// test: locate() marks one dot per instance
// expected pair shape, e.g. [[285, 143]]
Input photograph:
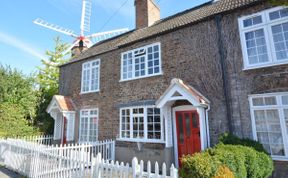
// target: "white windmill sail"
[[84, 27]]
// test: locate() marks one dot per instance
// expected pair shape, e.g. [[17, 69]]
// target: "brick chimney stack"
[[147, 13]]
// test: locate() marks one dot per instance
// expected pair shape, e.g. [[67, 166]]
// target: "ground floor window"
[[141, 124], [270, 122], [88, 131]]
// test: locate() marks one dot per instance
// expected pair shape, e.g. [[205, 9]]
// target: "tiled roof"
[[179, 20], [65, 103]]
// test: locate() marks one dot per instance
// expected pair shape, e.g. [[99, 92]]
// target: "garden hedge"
[[242, 161], [229, 139]]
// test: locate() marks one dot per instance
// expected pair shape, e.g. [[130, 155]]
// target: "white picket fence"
[[40, 139], [73, 160]]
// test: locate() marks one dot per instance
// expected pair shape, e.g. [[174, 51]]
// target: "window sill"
[[265, 65], [148, 76], [96, 91], [279, 158], [140, 140]]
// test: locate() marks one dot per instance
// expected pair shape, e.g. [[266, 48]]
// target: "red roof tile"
[[65, 103]]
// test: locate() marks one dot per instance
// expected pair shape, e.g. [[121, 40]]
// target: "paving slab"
[[6, 173]]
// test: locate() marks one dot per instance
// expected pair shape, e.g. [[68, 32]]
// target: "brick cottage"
[[172, 86]]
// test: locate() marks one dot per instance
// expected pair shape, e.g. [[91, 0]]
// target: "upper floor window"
[[90, 76], [143, 124], [141, 62], [264, 38]]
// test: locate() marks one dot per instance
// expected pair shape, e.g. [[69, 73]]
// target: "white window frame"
[[280, 107], [266, 26], [88, 129], [90, 76], [145, 139], [146, 63]]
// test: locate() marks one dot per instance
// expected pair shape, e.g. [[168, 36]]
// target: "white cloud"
[[23, 46]]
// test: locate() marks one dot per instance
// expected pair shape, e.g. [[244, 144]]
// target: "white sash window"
[[88, 131], [90, 76], [264, 38], [141, 62], [141, 124], [270, 122]]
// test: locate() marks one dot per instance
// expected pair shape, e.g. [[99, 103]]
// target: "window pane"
[[258, 102], [284, 12], [285, 100], [270, 100], [256, 47], [274, 15], [138, 127], [181, 129], [188, 124], [125, 123], [280, 41], [268, 129], [153, 60], [286, 119], [278, 14], [154, 123], [252, 21], [195, 121]]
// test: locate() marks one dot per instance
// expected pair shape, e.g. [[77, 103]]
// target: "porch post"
[[168, 126]]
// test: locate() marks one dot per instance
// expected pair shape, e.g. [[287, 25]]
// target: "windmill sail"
[[82, 41], [86, 16]]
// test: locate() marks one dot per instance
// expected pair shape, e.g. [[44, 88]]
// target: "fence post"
[[164, 170], [156, 170], [113, 150], [134, 167], [173, 172], [95, 166]]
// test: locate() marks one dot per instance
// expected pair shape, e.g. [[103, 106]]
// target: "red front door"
[[64, 140], [188, 133]]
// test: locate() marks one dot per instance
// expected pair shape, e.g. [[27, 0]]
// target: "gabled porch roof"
[[178, 90], [63, 103]]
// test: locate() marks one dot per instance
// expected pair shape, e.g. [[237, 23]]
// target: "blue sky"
[[23, 44]]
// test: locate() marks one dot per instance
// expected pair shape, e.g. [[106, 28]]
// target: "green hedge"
[[233, 140], [241, 160], [199, 165]]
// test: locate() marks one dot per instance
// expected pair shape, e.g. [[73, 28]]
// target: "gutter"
[[207, 125], [218, 19]]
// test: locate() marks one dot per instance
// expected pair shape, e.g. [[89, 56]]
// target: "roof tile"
[[193, 15]]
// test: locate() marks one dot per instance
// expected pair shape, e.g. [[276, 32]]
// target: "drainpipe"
[[207, 126], [218, 19]]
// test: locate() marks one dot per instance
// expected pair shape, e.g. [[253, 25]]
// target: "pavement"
[[6, 173]]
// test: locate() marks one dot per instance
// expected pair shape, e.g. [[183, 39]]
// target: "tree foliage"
[[18, 100], [47, 80], [279, 2]]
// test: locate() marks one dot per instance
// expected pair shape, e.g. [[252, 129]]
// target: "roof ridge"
[[183, 12], [176, 21]]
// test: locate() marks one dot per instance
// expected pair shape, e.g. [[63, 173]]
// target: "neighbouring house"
[[172, 86]]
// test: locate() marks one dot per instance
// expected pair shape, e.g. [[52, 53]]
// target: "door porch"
[[185, 112], [62, 110]]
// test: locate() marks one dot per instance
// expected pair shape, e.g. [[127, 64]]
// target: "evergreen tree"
[[47, 80]]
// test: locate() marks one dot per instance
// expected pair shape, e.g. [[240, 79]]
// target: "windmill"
[[81, 41]]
